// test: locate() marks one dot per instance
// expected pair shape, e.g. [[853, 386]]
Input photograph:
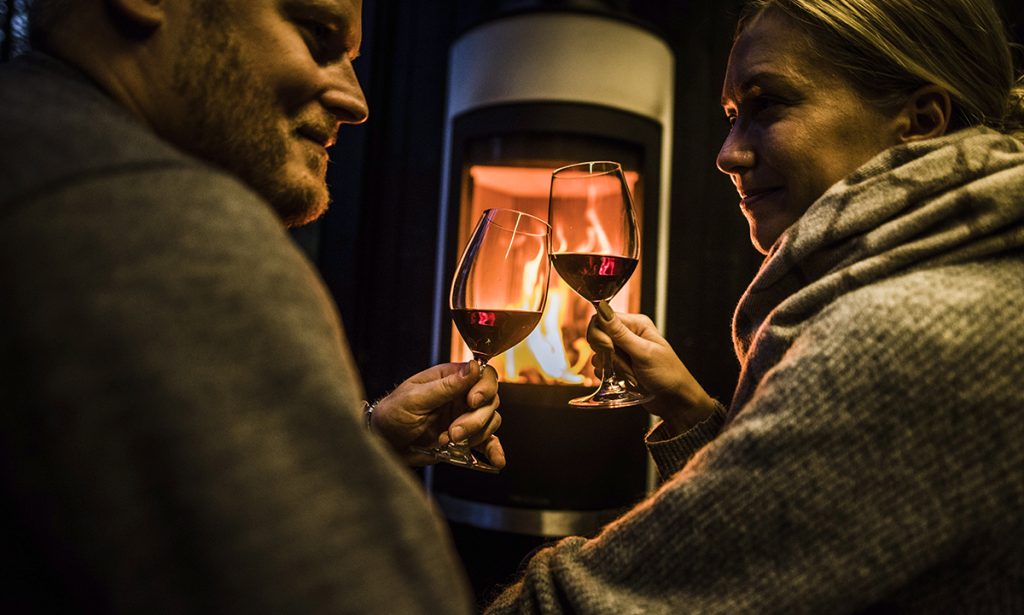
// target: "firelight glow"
[[556, 351]]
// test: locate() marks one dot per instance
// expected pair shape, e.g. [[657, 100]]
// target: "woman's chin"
[[763, 236]]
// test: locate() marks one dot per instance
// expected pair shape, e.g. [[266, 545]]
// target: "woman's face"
[[797, 126]]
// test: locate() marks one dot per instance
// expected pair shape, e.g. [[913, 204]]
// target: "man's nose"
[[344, 96]]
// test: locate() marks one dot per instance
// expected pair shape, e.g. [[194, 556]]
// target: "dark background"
[[376, 245]]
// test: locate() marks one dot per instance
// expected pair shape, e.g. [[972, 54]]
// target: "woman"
[[872, 457]]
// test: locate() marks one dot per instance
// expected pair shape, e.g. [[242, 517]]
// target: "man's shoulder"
[[57, 129]]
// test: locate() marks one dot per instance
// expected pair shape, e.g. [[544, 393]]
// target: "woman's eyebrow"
[[759, 80]]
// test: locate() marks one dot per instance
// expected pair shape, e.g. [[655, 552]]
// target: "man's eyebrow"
[[327, 11], [332, 14]]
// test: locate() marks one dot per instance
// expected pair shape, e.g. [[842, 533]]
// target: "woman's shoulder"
[[941, 337], [959, 305]]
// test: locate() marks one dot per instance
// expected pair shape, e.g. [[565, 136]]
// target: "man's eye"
[[317, 37]]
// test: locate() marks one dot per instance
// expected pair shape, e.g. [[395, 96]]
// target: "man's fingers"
[[453, 384], [492, 426], [471, 425], [494, 452], [484, 390], [435, 372]]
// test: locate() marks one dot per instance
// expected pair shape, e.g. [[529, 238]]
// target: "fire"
[[544, 349], [556, 352]]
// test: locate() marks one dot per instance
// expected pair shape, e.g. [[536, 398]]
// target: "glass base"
[[457, 455], [612, 394]]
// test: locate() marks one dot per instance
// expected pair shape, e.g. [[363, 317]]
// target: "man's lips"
[[323, 138]]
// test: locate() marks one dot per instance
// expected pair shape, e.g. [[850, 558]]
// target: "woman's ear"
[[926, 114], [138, 15]]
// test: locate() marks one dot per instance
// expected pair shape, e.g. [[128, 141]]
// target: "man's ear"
[[138, 16], [926, 114]]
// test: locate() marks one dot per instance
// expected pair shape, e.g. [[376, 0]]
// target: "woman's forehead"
[[773, 33], [773, 50]]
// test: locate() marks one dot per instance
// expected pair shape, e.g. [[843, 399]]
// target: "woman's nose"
[[735, 155]]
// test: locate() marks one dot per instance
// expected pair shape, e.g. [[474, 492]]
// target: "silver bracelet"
[[368, 414]]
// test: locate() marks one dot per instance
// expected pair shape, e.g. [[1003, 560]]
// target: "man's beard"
[[233, 122]]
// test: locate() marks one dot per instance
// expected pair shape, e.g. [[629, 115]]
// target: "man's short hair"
[[44, 15]]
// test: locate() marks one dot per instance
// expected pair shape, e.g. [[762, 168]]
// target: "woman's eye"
[[763, 103]]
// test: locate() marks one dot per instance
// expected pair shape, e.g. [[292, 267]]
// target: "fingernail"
[[466, 368], [457, 434], [605, 311]]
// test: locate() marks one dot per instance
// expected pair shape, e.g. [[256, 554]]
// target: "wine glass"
[[595, 247], [497, 297]]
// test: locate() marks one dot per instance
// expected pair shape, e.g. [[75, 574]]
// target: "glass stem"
[[607, 365]]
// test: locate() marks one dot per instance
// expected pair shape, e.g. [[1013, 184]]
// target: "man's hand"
[[641, 352], [450, 401]]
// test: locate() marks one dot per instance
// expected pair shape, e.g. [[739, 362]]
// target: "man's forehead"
[[343, 16], [340, 10]]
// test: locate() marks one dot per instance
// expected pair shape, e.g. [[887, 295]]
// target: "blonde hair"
[[890, 48]]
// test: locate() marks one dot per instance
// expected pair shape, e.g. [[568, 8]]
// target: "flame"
[[531, 273], [546, 346], [598, 238]]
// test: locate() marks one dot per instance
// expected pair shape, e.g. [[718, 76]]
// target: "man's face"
[[265, 85], [797, 126]]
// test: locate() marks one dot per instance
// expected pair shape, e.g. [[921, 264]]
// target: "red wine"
[[596, 277], [489, 333]]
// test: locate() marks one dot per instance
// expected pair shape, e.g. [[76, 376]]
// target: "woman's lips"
[[753, 198]]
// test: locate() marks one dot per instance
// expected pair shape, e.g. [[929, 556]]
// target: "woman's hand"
[[456, 401], [645, 356]]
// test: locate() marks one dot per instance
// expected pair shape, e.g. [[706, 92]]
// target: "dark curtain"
[[14, 31]]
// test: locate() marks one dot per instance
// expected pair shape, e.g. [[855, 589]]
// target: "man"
[[181, 426]]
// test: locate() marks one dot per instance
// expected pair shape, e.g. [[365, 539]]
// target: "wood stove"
[[529, 92]]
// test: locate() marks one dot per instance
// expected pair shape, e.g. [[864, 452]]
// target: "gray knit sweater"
[[873, 455], [179, 414]]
